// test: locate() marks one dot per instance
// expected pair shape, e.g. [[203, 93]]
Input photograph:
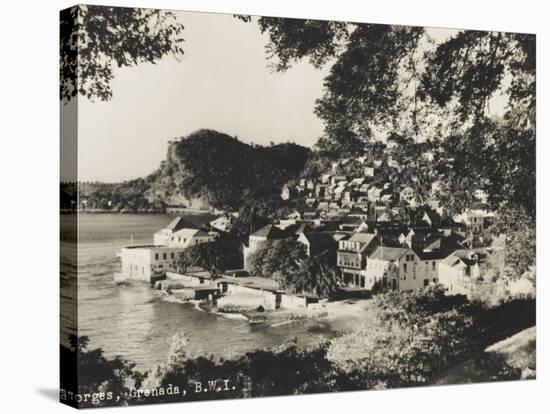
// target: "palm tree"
[[314, 276]]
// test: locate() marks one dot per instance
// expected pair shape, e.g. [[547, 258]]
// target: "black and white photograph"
[[276, 206], [260, 206]]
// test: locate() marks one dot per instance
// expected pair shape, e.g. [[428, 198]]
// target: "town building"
[[147, 263], [395, 268], [189, 237], [162, 237], [461, 271], [408, 195], [352, 258], [317, 242], [225, 222]]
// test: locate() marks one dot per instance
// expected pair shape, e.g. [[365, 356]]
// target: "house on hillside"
[[476, 220], [364, 189], [325, 178], [369, 171], [374, 194], [408, 195], [336, 179]]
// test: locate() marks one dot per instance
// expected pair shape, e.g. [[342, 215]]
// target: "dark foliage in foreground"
[[96, 39], [411, 338]]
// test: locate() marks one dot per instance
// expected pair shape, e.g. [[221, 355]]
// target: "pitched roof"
[[179, 223], [444, 244], [464, 257], [388, 253], [453, 260], [364, 238], [270, 232], [431, 255], [188, 233], [320, 239]]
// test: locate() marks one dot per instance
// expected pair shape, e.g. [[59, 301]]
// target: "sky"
[[223, 82]]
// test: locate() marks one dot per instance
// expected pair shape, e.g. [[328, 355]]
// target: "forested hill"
[[206, 169]]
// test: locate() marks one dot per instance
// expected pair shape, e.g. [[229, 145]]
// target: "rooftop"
[[179, 223], [388, 253]]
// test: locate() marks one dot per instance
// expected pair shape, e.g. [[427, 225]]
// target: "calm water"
[[135, 321]]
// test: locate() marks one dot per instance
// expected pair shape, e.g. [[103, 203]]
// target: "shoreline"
[[180, 211], [343, 316]]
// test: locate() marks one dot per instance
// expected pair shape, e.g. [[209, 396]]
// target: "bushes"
[[411, 336], [411, 339]]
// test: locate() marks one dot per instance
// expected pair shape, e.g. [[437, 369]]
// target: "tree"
[[214, 257], [93, 39], [410, 337], [85, 371], [400, 79], [314, 276], [278, 259]]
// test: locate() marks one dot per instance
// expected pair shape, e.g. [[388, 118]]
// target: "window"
[[156, 256], [171, 255], [164, 256], [405, 267], [433, 265]]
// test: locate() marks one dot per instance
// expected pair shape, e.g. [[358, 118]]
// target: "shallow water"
[[135, 321]]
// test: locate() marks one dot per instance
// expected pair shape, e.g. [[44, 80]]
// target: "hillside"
[[206, 169], [510, 359]]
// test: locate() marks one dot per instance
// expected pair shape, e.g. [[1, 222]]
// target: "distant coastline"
[[147, 211]]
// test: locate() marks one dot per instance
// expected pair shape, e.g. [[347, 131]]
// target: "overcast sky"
[[223, 82]]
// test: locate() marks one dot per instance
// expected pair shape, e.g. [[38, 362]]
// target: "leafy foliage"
[[86, 371], [409, 340], [395, 79], [315, 276], [226, 172], [410, 337], [256, 212], [214, 257], [93, 39], [278, 259]]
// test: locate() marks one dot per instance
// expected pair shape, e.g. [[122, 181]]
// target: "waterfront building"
[[147, 263], [162, 237]]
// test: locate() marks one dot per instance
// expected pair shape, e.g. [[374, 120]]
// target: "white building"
[[224, 222], [162, 237], [396, 268], [151, 261], [189, 237], [147, 262], [460, 272]]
